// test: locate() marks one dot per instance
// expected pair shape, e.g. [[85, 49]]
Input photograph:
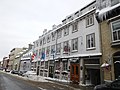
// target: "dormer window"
[[64, 21], [77, 13]]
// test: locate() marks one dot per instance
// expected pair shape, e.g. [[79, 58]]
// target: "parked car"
[[29, 73], [14, 72], [115, 85], [21, 73]]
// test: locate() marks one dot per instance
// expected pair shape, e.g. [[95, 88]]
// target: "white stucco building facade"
[[71, 50]]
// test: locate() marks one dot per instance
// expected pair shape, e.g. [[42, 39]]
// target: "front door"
[[75, 73]]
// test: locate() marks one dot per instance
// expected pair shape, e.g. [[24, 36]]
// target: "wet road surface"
[[8, 82], [12, 82]]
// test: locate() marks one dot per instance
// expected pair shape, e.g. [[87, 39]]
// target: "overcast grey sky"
[[23, 21]]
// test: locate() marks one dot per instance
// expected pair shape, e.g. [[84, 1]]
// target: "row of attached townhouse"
[[71, 50], [108, 16], [84, 49], [16, 58]]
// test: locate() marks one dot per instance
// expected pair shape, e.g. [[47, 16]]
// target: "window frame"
[[117, 31], [40, 42], [48, 38], [44, 40], [75, 27], [52, 47], [65, 65], [59, 33], [89, 45], [66, 30], [74, 42], [66, 44], [89, 20], [47, 51], [58, 48], [53, 36]]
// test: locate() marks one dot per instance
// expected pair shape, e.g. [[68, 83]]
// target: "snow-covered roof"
[[107, 12]]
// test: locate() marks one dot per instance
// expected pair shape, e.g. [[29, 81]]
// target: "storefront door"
[[75, 73]]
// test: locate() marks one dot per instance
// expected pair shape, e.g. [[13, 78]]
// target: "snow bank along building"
[[71, 50], [108, 16]]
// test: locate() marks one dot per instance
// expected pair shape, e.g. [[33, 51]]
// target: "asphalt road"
[[13, 82], [8, 82]]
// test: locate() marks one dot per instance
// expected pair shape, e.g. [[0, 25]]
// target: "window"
[[65, 66], [39, 52], [46, 65], [43, 50], [37, 44], [40, 42], [116, 30], [52, 49], [57, 65], [36, 53], [48, 51], [90, 41], [75, 44], [43, 53], [59, 33], [89, 21], [77, 14], [53, 36], [48, 38], [44, 40], [58, 48], [66, 47], [75, 27], [66, 31]]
